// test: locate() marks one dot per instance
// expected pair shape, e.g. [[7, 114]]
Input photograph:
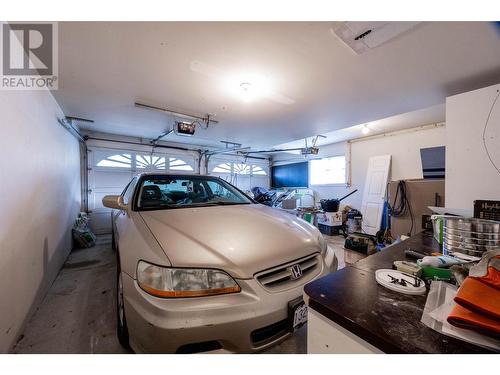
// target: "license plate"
[[297, 313], [300, 316]]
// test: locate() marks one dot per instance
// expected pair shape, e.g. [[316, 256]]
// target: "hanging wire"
[[484, 132], [402, 207]]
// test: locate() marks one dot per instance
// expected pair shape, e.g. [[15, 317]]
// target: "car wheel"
[[121, 328]]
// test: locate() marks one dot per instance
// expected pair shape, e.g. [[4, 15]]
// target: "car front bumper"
[[249, 321]]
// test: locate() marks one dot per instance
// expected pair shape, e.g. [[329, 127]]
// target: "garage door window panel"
[[150, 162], [242, 169], [258, 171], [116, 161], [226, 168], [176, 164]]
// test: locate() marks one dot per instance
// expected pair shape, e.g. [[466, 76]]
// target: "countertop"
[[388, 320]]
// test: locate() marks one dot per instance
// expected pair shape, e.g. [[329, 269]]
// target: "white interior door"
[[374, 193]]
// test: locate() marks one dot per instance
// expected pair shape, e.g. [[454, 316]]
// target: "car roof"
[[161, 173]]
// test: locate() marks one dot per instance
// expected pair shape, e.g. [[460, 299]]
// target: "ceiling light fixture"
[[247, 87], [247, 92], [365, 129]]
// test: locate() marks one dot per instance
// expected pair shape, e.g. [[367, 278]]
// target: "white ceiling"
[[105, 67], [426, 116]]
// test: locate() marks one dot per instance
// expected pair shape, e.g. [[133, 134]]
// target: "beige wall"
[[39, 200], [406, 163], [469, 173]]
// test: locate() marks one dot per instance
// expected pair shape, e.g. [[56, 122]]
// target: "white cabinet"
[[327, 337]]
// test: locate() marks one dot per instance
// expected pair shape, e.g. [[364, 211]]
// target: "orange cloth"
[[492, 278], [478, 304], [479, 297], [464, 318]]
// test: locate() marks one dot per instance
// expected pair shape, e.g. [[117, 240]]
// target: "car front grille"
[[280, 278]]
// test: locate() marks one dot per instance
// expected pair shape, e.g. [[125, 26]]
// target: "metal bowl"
[[469, 246], [454, 249], [469, 234], [473, 225], [471, 240]]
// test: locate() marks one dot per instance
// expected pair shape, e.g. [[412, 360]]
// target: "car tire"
[[121, 325]]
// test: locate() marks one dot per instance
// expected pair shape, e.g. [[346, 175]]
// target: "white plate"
[[383, 277]]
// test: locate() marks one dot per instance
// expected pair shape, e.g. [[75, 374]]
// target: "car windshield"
[[164, 192]]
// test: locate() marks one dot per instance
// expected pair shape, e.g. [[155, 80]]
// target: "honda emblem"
[[296, 272]]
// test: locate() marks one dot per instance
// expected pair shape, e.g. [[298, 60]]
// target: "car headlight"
[[169, 282]]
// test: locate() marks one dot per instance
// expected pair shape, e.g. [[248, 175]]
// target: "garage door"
[[110, 170], [243, 174]]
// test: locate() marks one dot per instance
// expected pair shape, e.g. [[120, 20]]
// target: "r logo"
[[27, 49]]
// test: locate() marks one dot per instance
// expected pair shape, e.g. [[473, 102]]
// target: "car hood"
[[240, 239]]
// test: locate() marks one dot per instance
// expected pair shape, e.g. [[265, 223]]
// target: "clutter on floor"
[[309, 214], [284, 198], [332, 221], [82, 235], [363, 243], [354, 220]]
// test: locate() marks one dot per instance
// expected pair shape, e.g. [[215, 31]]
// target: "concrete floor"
[[78, 314]]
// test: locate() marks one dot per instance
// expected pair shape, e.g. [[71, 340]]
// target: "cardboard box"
[[331, 219], [421, 194]]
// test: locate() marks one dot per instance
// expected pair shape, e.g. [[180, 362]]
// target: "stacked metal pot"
[[470, 236]]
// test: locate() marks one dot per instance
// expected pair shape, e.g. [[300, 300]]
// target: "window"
[[327, 171], [256, 170], [222, 193], [179, 165], [167, 192], [118, 160], [223, 168], [142, 162], [128, 191], [240, 169], [150, 162]]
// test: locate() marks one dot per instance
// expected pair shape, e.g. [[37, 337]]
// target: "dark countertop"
[[388, 320]]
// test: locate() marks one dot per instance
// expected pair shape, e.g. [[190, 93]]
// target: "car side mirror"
[[114, 201]]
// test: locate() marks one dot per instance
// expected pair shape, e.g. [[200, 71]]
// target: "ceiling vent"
[[363, 36]]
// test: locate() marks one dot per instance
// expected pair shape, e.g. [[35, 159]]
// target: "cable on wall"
[[402, 207], [484, 133]]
